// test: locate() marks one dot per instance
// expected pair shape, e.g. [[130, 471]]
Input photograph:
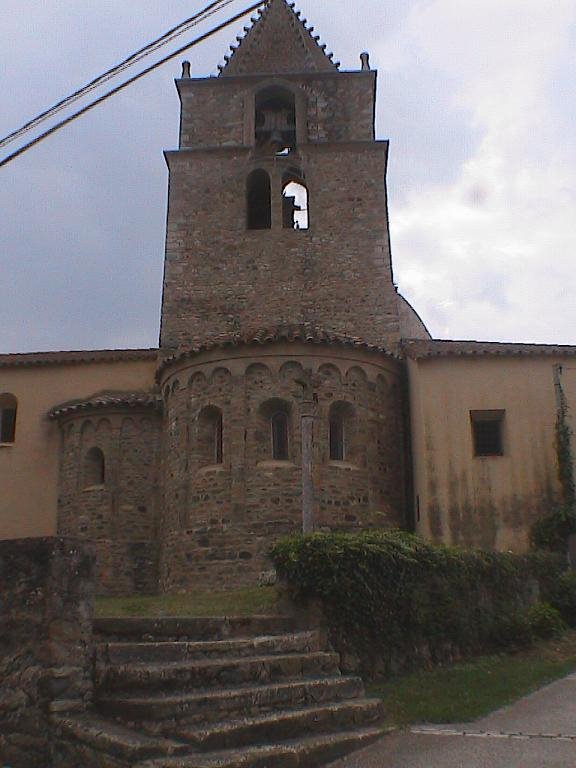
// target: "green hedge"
[[394, 600]]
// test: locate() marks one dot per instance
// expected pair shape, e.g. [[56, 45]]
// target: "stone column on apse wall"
[[308, 410]]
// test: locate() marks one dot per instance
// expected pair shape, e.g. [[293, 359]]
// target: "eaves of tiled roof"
[[106, 401], [24, 359], [306, 334], [418, 349]]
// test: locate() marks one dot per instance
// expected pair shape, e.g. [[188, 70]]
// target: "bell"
[[276, 139]]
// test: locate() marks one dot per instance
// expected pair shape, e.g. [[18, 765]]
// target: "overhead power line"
[[133, 79], [117, 69]]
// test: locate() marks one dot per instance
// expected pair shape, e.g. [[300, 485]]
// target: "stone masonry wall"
[[221, 278], [221, 518], [338, 107], [119, 515], [46, 590]]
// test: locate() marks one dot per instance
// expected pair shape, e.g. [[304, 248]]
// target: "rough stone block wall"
[[120, 515], [220, 519], [222, 278], [338, 107], [212, 113], [46, 588]]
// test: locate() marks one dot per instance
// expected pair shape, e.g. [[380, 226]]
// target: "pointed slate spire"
[[279, 42]]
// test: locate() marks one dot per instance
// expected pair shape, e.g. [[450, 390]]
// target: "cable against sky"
[[128, 62]]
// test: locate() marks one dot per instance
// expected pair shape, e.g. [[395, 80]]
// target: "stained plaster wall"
[[484, 501], [29, 466]]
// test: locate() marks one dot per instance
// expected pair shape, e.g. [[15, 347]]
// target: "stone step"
[[308, 752], [284, 725], [193, 629], [112, 739], [209, 673], [122, 653], [213, 705]]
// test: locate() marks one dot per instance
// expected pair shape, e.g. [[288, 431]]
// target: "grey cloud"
[[83, 214]]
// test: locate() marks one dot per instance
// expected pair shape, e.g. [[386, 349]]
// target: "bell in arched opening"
[[275, 120]]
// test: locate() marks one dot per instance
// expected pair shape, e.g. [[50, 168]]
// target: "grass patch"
[[241, 602], [472, 689]]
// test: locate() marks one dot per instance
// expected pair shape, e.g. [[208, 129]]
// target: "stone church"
[[293, 387]]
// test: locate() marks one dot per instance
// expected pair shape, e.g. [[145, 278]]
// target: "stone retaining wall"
[[46, 588]]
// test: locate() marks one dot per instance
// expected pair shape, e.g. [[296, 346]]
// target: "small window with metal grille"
[[487, 432]]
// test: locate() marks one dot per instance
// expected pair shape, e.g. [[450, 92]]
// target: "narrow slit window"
[[487, 432], [94, 468], [210, 436], [258, 201], [337, 438], [341, 430], [218, 434], [8, 409], [279, 424]]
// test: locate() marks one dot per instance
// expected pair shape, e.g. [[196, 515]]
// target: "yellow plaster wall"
[[484, 501], [29, 467]]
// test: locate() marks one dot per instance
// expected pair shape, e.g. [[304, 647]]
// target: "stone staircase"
[[216, 693]]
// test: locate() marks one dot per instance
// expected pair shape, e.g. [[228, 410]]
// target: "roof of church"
[[278, 42], [24, 359], [306, 333], [417, 349], [108, 399]]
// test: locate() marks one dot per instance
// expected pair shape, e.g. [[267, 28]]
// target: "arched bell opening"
[[258, 200], [275, 120], [295, 206]]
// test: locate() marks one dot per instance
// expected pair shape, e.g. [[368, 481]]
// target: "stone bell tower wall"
[[333, 107], [220, 519], [221, 278]]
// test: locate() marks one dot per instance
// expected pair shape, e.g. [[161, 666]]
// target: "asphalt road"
[[539, 731]]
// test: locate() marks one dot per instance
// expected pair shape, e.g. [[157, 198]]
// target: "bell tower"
[[278, 368], [277, 209]]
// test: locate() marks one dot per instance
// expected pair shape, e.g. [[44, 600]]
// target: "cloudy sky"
[[478, 101]]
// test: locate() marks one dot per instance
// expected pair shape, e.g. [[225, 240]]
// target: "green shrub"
[[550, 533], [511, 631], [563, 597], [546, 621], [391, 595]]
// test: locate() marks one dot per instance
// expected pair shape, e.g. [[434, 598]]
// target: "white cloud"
[[490, 255]]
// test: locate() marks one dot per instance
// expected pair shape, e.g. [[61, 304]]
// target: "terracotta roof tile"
[[421, 348], [22, 359], [306, 333], [107, 400]]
